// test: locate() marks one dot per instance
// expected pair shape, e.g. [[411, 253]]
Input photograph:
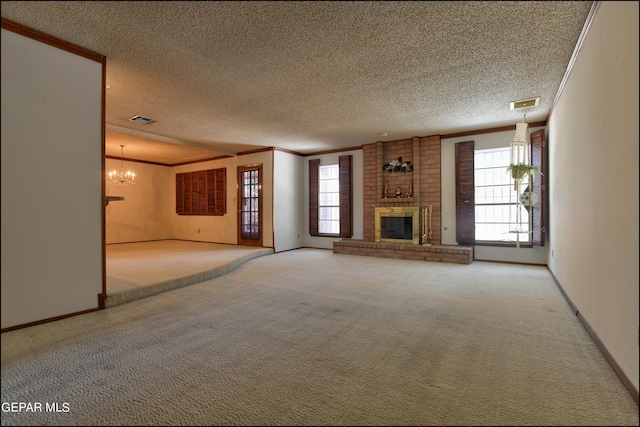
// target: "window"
[[482, 179], [328, 200], [498, 215]]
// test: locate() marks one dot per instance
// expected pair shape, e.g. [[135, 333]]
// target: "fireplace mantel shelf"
[[392, 200]]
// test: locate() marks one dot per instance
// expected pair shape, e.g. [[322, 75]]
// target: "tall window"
[[498, 215], [329, 200]]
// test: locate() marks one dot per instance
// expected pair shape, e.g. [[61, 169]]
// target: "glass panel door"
[[250, 205]]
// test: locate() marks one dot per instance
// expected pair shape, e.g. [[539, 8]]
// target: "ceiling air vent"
[[532, 102], [143, 120]]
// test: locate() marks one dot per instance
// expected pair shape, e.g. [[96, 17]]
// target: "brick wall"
[[424, 154]]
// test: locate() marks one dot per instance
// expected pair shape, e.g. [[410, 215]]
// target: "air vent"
[[525, 103], [143, 120]]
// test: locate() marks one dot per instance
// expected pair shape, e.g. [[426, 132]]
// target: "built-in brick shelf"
[[435, 253]]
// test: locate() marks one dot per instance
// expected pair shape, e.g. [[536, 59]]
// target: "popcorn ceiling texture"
[[314, 76]]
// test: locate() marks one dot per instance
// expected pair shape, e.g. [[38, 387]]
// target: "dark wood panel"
[[345, 165], [314, 182], [465, 193], [201, 192]]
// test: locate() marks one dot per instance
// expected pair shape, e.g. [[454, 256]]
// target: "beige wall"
[[52, 203], [145, 212], [205, 228], [593, 182]]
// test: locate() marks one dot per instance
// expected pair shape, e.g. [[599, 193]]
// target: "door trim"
[[241, 240]]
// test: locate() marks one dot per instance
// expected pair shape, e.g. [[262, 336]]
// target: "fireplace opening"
[[393, 227], [397, 225]]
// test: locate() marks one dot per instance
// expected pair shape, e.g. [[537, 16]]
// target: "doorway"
[[250, 205]]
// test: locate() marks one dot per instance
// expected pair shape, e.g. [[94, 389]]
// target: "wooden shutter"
[[221, 191], [345, 185], [538, 158], [202, 192], [187, 193], [314, 183], [194, 193], [465, 193], [179, 193], [211, 191]]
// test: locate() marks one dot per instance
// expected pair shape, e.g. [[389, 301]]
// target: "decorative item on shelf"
[[410, 192], [398, 166], [398, 192], [386, 191], [122, 177], [427, 232]]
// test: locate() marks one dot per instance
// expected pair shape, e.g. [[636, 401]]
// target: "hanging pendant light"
[[122, 177]]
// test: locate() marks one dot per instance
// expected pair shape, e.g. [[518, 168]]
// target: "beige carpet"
[[308, 337], [138, 270]]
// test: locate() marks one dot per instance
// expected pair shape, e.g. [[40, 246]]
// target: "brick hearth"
[[435, 253]]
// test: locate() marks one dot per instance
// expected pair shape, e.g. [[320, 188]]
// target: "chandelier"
[[122, 177]]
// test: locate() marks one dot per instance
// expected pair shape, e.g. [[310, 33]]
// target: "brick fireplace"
[[418, 188]]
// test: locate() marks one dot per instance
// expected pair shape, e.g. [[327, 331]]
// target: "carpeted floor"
[[308, 337], [138, 270]]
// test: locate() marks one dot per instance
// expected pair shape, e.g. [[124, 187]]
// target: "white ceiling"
[[226, 77]]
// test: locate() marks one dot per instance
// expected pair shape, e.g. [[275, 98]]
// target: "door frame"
[[241, 170]]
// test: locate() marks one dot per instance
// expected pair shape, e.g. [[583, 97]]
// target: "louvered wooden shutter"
[[345, 185], [179, 193], [538, 158], [202, 192], [314, 182], [465, 193], [194, 193], [220, 191], [187, 193]]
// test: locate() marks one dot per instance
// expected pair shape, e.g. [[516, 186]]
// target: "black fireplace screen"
[[396, 227]]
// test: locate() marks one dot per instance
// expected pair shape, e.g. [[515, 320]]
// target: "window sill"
[[501, 244]]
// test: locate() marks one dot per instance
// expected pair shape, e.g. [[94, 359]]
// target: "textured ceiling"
[[225, 77]]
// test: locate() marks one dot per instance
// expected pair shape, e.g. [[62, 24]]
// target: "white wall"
[[533, 255], [288, 193], [145, 212], [358, 197], [593, 182], [52, 201]]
